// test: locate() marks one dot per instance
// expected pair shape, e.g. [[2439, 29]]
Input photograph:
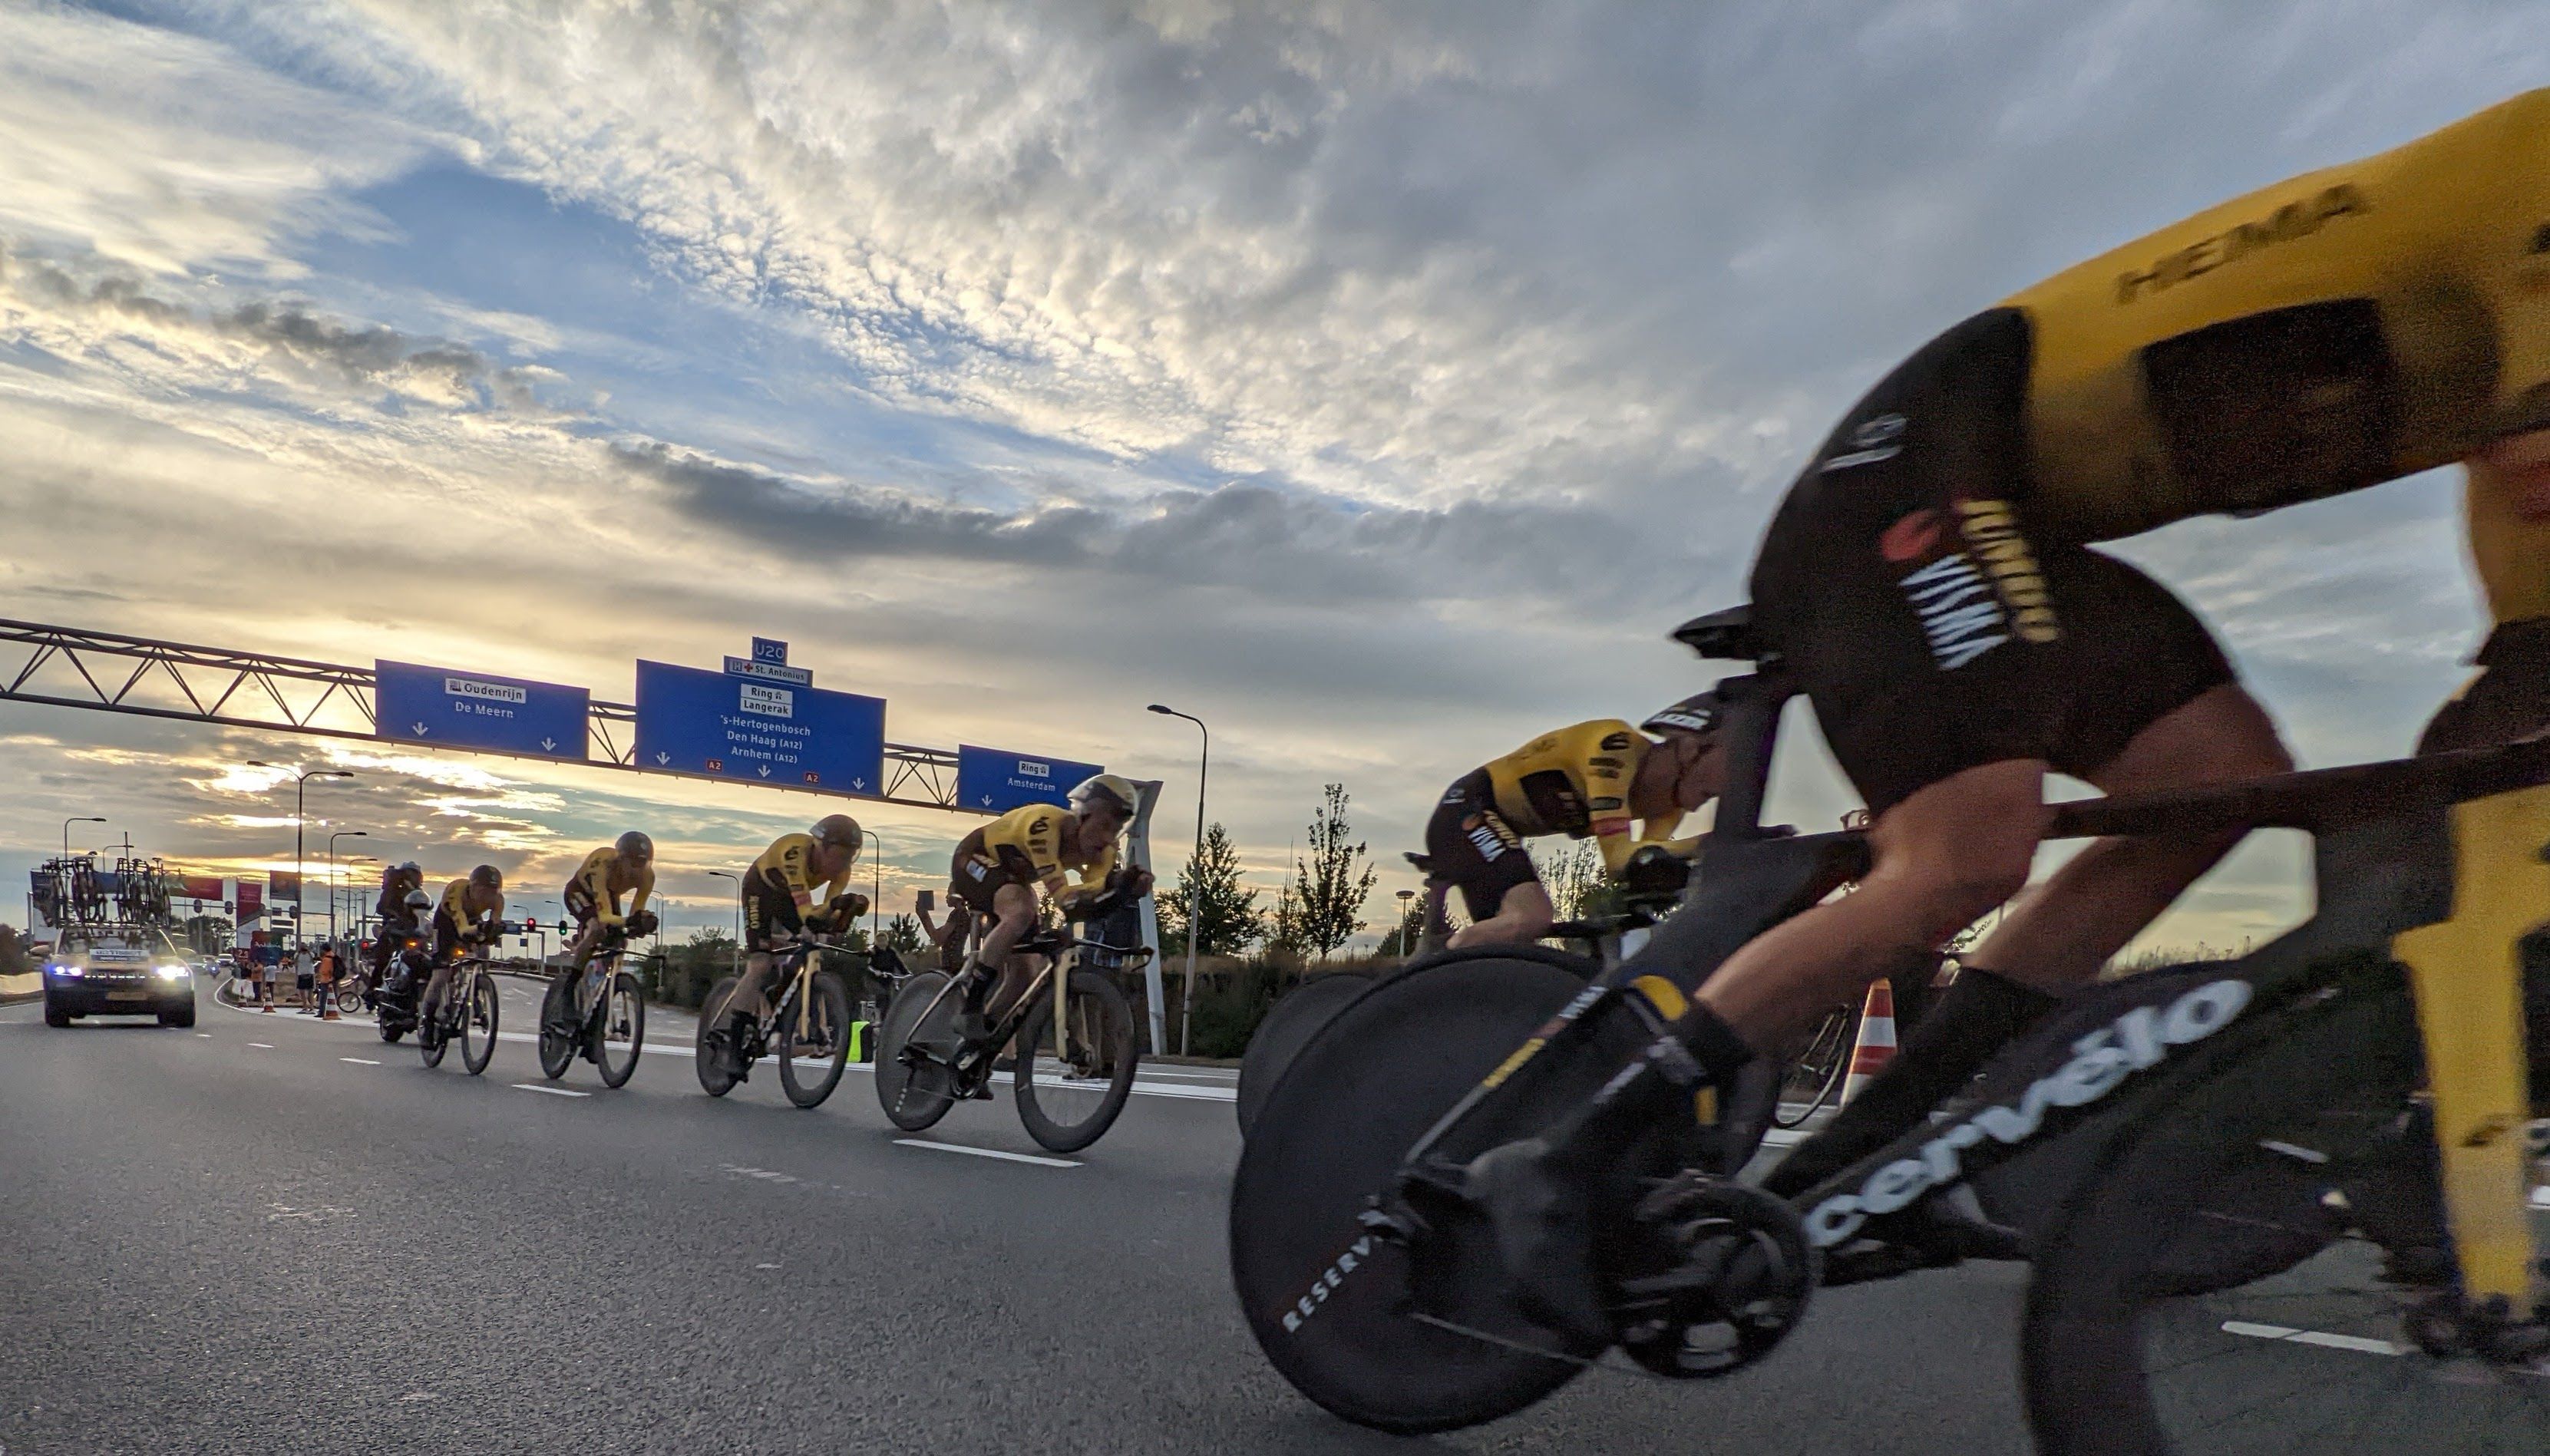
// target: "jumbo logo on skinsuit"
[[2292, 221], [2101, 1062]]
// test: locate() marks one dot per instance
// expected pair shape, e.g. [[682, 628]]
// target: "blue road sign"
[[693, 720], [770, 651], [997, 781], [473, 709]]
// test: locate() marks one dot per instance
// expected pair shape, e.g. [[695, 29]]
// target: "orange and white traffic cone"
[[1875, 1039]]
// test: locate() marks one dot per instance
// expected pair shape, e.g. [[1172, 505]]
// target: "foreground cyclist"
[[1597, 778], [592, 896], [470, 914], [1009, 868], [799, 884], [1929, 579]]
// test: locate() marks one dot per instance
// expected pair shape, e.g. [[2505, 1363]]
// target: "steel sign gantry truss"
[[67, 667]]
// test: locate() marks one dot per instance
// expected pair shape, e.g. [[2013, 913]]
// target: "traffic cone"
[[1875, 1039]]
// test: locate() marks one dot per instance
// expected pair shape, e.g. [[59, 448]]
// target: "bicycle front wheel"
[[350, 997], [620, 1029], [557, 1027], [1817, 1066], [707, 1057], [2317, 1356], [1071, 1089], [478, 1025], [914, 1047], [815, 1040]]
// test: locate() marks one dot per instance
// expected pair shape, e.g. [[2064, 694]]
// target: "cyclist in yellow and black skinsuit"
[[800, 883], [592, 893], [1596, 779], [1931, 580], [999, 868], [470, 913]]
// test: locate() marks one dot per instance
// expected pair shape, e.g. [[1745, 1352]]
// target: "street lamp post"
[[86, 819], [331, 873], [300, 785], [1194, 876], [1406, 947], [876, 888], [738, 956]]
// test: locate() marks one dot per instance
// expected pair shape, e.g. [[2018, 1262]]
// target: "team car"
[[122, 972]]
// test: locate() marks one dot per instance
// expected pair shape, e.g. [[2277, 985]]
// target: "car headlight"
[[172, 972], [67, 972]]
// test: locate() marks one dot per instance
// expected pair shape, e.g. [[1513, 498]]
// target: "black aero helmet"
[[1696, 714], [487, 877], [1112, 791], [842, 831], [634, 846]]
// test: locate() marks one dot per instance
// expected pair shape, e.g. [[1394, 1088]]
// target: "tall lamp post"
[[738, 956], [331, 873], [300, 785], [1407, 944], [876, 889], [86, 819], [1195, 877], [355, 903]]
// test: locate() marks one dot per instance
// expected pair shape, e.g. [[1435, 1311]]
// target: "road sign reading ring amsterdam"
[[693, 720], [473, 709], [994, 781]]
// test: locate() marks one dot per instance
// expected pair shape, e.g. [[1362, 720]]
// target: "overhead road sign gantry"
[[113, 672], [447, 708], [996, 781]]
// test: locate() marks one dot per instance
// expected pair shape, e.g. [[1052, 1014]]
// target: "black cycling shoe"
[[1543, 1225]]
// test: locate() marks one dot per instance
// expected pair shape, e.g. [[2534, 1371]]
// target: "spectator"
[[950, 937], [330, 967], [252, 967], [301, 978]]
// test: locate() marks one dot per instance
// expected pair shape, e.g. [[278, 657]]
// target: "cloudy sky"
[[1378, 382]]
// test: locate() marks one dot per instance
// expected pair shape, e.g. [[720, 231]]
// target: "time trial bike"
[[597, 1011], [808, 1028], [468, 1014]]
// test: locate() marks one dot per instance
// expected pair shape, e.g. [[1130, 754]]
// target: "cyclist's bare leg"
[[2060, 932], [1016, 907], [748, 998], [1943, 858], [1523, 914], [436, 988]]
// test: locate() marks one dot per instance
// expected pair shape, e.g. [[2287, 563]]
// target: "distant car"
[[119, 973]]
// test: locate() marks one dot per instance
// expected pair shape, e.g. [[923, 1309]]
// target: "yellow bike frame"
[[2467, 974]]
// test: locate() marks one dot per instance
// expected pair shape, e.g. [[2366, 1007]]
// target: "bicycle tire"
[[350, 997], [1095, 1009], [827, 1017], [558, 1025], [915, 1098], [430, 1043], [1816, 1073], [708, 1058], [1289, 1027], [621, 995], [1373, 1082], [479, 1015], [2100, 1303]]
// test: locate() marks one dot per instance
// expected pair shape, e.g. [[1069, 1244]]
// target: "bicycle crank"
[[1718, 1274]]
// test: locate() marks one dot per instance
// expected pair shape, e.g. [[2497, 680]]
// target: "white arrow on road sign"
[[417, 728], [664, 758], [858, 783], [549, 745], [987, 801], [765, 770]]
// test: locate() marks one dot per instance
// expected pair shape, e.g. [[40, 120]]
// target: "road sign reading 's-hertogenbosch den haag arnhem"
[[748, 725]]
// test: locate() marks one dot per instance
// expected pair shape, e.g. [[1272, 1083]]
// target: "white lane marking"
[[205, 1036], [361, 1061], [551, 1090], [2356, 1343], [263, 1046], [985, 1152]]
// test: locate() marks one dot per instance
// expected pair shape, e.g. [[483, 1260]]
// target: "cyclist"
[[592, 896], [398, 881], [1000, 870], [471, 912], [781, 894], [1596, 778], [1930, 581]]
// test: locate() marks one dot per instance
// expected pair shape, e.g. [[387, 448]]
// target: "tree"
[[1330, 886], [12, 953], [1228, 912], [903, 935]]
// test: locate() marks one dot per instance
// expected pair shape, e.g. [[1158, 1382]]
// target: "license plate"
[[128, 995]]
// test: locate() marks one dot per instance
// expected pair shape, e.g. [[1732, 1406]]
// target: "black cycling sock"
[[1978, 1015], [1697, 1053]]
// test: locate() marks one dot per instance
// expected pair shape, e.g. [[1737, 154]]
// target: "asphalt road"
[[274, 1235]]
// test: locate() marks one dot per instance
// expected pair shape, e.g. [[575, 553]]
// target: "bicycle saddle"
[[1725, 636]]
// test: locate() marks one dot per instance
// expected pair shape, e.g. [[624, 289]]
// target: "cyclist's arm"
[[596, 877], [1093, 878], [646, 887]]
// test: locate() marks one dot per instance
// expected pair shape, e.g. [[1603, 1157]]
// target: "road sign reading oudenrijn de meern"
[[477, 710]]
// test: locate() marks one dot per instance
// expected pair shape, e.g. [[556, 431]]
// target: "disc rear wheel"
[[1286, 1030], [708, 1059], [558, 1025], [912, 1082]]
